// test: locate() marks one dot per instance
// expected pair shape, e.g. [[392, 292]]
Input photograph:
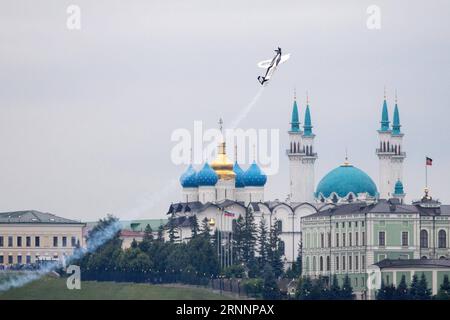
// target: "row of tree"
[[417, 290], [320, 289]]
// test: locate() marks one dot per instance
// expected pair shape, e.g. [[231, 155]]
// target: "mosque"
[[341, 226]]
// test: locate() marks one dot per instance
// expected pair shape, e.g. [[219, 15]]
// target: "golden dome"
[[222, 165]]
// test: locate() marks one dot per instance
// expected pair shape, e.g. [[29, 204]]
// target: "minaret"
[[302, 157], [390, 152]]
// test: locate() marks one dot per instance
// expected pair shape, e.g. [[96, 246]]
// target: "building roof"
[[383, 206], [414, 263], [33, 216], [135, 225]]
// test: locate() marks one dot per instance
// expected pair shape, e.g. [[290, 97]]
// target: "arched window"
[[424, 239], [291, 147], [314, 266], [294, 147], [321, 263], [442, 257], [279, 225], [298, 147], [384, 146], [424, 258], [335, 198], [387, 147], [337, 263], [307, 264], [395, 149], [281, 247], [442, 239], [328, 263]]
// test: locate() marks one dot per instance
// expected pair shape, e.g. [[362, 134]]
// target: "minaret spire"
[[384, 115], [307, 127], [396, 121], [295, 123]]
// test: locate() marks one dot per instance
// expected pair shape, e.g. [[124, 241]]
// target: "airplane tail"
[[261, 80]]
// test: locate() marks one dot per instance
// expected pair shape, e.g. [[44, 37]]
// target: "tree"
[[295, 270], [423, 292], [335, 289], [444, 290], [134, 244], [194, 225], [402, 293], [172, 230], [160, 235], [148, 233], [304, 289], [275, 254], [263, 246], [147, 240], [347, 290], [270, 287], [413, 291], [248, 244], [238, 227], [206, 230]]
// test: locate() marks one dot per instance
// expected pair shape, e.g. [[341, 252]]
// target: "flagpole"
[[426, 174]]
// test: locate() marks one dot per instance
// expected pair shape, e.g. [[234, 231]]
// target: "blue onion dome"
[[345, 179], [189, 178], [239, 176], [254, 177], [398, 189], [207, 176]]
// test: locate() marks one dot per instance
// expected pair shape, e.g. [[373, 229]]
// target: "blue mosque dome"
[[345, 179], [206, 176], [254, 177], [239, 176], [189, 178]]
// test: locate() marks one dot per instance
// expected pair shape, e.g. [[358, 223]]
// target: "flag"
[[429, 161], [228, 214]]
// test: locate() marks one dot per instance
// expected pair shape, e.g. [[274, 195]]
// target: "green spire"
[[398, 190], [384, 117], [307, 126], [396, 123], [295, 124]]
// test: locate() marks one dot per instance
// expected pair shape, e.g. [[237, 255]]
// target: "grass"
[[56, 289]]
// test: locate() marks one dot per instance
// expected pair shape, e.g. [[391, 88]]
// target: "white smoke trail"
[[245, 111], [22, 278]]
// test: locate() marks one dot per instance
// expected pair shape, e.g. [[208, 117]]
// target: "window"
[[328, 263], [356, 223], [1, 241], [343, 263], [281, 247], [381, 238], [2, 261], [442, 239], [279, 225], [356, 238], [321, 263], [55, 241], [337, 239], [337, 225], [343, 239], [28, 259], [337, 263], [73, 241], [322, 240], [356, 263], [64, 241], [350, 239], [362, 223], [343, 224], [19, 241], [404, 238], [19, 259], [314, 266], [37, 241], [329, 239], [349, 224], [28, 241], [363, 238], [10, 241], [424, 239], [349, 262], [363, 262], [10, 259]]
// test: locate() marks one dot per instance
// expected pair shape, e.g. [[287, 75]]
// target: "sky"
[[86, 116]]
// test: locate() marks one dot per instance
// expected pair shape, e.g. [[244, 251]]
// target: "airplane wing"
[[265, 64]]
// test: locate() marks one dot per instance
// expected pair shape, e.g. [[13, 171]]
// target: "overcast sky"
[[86, 116]]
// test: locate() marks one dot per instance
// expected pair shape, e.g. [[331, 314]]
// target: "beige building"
[[31, 236]]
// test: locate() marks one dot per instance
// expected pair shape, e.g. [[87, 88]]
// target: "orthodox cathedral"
[[341, 226]]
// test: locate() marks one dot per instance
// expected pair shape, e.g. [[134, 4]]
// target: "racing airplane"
[[271, 65]]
